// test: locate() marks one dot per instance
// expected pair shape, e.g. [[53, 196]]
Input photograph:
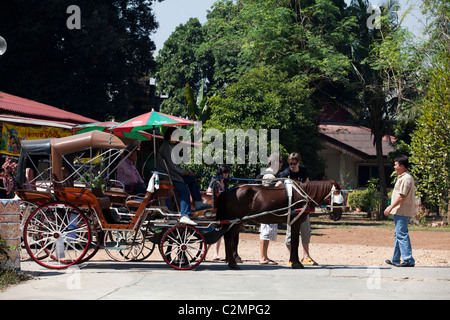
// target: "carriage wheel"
[[123, 245], [26, 209], [183, 247], [58, 235], [96, 238], [148, 245], [95, 244], [147, 250]]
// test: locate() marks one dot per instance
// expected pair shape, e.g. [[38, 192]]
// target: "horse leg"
[[295, 241], [230, 245]]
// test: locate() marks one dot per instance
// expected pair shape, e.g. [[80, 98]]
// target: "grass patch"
[[9, 277]]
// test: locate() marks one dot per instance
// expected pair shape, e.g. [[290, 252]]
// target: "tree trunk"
[[448, 209], [380, 162]]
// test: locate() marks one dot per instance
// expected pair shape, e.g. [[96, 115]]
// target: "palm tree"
[[379, 91]]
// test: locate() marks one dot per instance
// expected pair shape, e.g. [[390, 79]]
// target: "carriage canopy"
[[34, 154], [68, 150]]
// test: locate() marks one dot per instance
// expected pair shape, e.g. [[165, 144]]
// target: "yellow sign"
[[12, 135]]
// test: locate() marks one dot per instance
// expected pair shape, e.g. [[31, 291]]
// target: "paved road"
[[108, 280]]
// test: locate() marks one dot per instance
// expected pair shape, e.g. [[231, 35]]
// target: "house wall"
[[346, 167], [340, 167]]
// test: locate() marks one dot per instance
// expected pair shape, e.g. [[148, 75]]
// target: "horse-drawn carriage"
[[74, 207], [76, 210]]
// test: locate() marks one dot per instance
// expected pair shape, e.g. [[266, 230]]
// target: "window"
[[365, 172]]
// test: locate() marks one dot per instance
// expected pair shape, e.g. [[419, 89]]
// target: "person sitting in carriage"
[[130, 176], [183, 180]]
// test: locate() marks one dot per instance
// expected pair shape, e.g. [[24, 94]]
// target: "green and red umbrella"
[[100, 126], [105, 127], [150, 120]]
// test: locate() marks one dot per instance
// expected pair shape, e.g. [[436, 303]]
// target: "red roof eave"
[[25, 108]]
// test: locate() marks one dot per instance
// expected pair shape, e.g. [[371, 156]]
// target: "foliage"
[[3, 248], [438, 27], [367, 199], [266, 98], [8, 174], [178, 64], [385, 77], [312, 42], [93, 71], [198, 108], [430, 142]]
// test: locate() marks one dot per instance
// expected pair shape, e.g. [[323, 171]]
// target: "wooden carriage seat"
[[103, 200], [35, 196], [117, 197]]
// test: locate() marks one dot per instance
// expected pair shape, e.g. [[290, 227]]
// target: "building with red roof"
[[348, 149], [22, 119], [20, 110]]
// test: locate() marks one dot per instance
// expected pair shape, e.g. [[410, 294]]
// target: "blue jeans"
[[185, 196], [402, 245]]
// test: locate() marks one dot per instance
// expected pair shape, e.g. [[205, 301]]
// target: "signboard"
[[12, 135]]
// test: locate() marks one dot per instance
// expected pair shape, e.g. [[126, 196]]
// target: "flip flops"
[[269, 262], [310, 262], [219, 259]]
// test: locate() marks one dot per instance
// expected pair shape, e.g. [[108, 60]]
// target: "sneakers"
[[187, 220]]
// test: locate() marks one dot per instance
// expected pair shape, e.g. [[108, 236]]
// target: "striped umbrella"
[[150, 120], [100, 126]]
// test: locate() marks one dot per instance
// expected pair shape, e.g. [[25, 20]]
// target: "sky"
[[171, 13]]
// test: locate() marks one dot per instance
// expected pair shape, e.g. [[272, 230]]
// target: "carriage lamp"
[[2, 45]]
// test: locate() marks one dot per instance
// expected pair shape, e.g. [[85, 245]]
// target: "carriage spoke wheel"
[[58, 235], [183, 247], [123, 245], [148, 246], [26, 209], [95, 244], [96, 238]]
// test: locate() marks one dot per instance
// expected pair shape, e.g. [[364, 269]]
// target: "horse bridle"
[[289, 184]]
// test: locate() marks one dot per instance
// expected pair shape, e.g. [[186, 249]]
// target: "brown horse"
[[248, 200]]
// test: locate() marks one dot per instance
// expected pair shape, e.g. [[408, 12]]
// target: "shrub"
[[366, 199], [3, 248]]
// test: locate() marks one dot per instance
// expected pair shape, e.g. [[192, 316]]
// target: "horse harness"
[[289, 185]]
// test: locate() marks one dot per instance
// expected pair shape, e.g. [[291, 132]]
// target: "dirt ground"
[[351, 241], [352, 244]]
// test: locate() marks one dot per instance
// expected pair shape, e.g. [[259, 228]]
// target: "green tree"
[[223, 44], [94, 70], [430, 142], [178, 64], [198, 108], [385, 76], [267, 98]]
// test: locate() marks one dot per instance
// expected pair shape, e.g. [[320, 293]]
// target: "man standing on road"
[[403, 208]]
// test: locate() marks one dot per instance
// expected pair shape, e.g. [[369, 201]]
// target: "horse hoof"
[[297, 266], [234, 266]]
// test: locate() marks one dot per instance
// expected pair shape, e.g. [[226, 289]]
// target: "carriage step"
[[117, 247]]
